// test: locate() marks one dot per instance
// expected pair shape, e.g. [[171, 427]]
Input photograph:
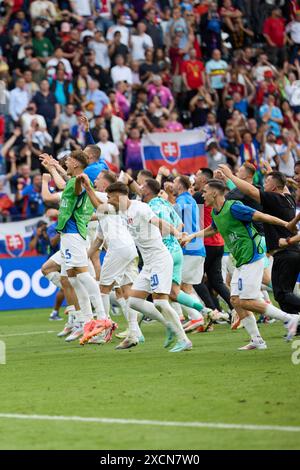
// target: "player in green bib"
[[165, 211], [75, 212], [233, 220]]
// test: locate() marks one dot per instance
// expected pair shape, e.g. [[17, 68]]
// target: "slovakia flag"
[[183, 151]]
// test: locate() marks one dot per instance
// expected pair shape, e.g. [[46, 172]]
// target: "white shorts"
[[56, 258], [92, 230], [116, 264], [246, 280], [193, 269], [73, 250], [157, 276]]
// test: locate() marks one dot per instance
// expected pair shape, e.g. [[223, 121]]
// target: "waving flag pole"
[[183, 151]]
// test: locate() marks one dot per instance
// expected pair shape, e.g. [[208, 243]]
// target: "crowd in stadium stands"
[[135, 66]]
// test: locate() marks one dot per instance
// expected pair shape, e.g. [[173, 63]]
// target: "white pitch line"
[[145, 422], [30, 333]]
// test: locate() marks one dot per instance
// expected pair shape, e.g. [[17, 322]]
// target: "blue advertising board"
[[22, 285]]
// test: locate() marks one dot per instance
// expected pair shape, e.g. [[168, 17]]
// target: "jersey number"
[[154, 281], [68, 254]]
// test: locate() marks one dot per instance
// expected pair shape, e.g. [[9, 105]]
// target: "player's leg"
[[246, 317]]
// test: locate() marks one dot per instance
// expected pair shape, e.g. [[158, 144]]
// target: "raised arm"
[[246, 188], [84, 181], [269, 219], [48, 197]]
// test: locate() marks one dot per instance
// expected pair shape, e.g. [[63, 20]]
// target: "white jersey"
[[112, 228], [147, 236]]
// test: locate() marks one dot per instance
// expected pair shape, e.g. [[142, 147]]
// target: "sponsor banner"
[[183, 151], [22, 285]]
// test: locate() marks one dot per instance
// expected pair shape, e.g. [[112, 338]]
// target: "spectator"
[[45, 8], [47, 105], [18, 100], [214, 156], [154, 30], [61, 87], [156, 88], [193, 73], [120, 28], [148, 68], [42, 46], [67, 117], [274, 32], [109, 150], [31, 198], [52, 64], [216, 70], [120, 72], [133, 153], [100, 47], [28, 116], [140, 42], [39, 241], [95, 99], [271, 115]]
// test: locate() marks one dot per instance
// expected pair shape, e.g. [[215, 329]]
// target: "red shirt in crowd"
[[275, 29], [193, 70], [236, 88]]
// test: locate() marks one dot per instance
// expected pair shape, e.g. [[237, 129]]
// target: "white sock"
[[148, 309], [191, 313], [266, 296], [93, 290], [54, 278], [106, 303], [133, 309], [274, 312], [123, 305], [171, 317], [178, 309], [250, 325], [70, 309], [86, 313]]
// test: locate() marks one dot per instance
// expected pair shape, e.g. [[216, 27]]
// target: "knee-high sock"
[[172, 317], [177, 308], [250, 326], [86, 313], [93, 290], [189, 301], [147, 308], [106, 303], [54, 278], [123, 305], [191, 313], [274, 312]]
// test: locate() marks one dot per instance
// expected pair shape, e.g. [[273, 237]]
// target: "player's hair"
[[153, 185], [250, 168], [145, 173], [297, 163], [185, 181], [81, 157], [117, 187], [109, 176], [208, 173], [95, 151], [279, 178], [218, 185]]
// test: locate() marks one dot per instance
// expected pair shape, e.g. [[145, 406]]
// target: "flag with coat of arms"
[[183, 151]]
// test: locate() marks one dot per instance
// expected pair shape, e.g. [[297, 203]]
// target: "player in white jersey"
[[121, 252], [156, 275]]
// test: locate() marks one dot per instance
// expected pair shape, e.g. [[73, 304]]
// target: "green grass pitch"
[[213, 383]]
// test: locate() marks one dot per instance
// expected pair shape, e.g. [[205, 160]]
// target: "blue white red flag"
[[15, 238], [183, 151]]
